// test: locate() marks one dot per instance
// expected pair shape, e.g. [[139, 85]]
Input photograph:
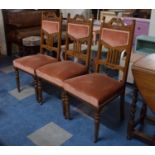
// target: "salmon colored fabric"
[[115, 37], [32, 62], [56, 73], [93, 88], [78, 31], [50, 26]]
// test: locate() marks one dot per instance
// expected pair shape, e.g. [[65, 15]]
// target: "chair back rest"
[[79, 32], [51, 32], [116, 38]]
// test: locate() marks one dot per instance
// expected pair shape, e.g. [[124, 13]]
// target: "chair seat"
[[31, 63], [58, 72], [93, 88]]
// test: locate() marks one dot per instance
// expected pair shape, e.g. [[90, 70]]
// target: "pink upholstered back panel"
[[50, 26], [115, 37], [78, 30]]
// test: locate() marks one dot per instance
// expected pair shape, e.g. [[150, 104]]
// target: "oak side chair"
[[98, 89], [79, 31], [50, 28]]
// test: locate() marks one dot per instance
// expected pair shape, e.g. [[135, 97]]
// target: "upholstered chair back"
[[51, 33], [116, 40], [79, 33]]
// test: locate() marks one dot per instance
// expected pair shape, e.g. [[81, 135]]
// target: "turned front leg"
[[66, 106], [97, 125]]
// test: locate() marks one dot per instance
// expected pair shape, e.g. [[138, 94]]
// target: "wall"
[[152, 23], [2, 34]]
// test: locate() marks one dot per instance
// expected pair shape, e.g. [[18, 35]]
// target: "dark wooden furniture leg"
[[122, 102], [97, 125], [36, 87], [40, 97], [66, 106], [17, 79], [131, 122], [143, 113], [132, 131], [63, 103]]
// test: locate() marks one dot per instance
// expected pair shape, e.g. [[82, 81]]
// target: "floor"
[[24, 122]]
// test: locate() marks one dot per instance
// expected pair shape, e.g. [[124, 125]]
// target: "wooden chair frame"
[[78, 19], [45, 16], [110, 63]]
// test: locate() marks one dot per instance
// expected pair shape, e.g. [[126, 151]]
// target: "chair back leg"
[[39, 91], [36, 87], [122, 104], [17, 79]]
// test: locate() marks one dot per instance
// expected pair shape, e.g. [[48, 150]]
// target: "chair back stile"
[[79, 31], [51, 29], [116, 39]]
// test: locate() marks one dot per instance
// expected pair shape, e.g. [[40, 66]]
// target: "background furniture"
[[134, 57], [144, 76], [31, 45], [141, 26], [145, 44], [20, 24]]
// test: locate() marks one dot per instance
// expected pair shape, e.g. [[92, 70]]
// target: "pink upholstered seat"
[[93, 88], [31, 63], [56, 73]]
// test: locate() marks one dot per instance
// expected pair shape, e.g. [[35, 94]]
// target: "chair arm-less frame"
[[99, 90], [50, 27], [79, 30]]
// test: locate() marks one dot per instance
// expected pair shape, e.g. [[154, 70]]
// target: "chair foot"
[[17, 79], [95, 141]]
